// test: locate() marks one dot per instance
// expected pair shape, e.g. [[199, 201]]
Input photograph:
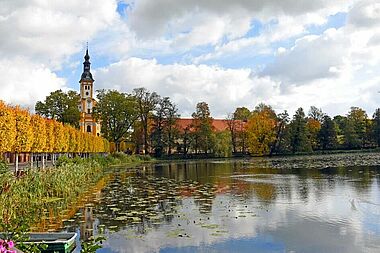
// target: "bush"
[[3, 167]]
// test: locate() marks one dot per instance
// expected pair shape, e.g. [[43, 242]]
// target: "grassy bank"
[[23, 200]]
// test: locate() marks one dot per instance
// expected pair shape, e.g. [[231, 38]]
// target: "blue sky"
[[235, 61], [229, 54]]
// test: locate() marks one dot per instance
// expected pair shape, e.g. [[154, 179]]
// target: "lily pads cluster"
[[317, 161], [140, 201]]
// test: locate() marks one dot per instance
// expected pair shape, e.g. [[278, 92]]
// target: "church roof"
[[218, 125], [86, 75]]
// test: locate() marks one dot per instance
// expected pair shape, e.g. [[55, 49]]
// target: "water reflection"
[[233, 206]]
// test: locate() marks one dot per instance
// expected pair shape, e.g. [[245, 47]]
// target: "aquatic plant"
[[92, 245]]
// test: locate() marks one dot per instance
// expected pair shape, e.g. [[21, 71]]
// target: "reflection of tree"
[[204, 197], [265, 192], [303, 190], [202, 171], [145, 200]]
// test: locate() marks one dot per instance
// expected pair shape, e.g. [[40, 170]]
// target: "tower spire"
[[86, 75]]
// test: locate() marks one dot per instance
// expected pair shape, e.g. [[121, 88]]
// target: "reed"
[[24, 200]]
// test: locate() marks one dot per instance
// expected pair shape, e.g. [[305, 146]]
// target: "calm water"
[[234, 206]]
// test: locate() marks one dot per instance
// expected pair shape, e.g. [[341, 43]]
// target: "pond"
[[256, 205]]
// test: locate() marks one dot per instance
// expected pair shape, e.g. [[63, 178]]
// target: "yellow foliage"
[[261, 128], [7, 128], [22, 133], [38, 125], [313, 126], [50, 138], [59, 141]]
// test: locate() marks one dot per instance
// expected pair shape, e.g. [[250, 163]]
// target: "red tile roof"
[[218, 125]]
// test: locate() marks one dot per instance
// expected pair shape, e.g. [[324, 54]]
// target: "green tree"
[[164, 122], [223, 145], [204, 138], [376, 127], [241, 114], [355, 128], [117, 112], [298, 131], [282, 122], [316, 114], [146, 103], [171, 132], [351, 138], [327, 137], [158, 127], [233, 125], [340, 124], [60, 106]]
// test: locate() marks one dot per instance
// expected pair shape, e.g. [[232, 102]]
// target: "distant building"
[[218, 125], [87, 102]]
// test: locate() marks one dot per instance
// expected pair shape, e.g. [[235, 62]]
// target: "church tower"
[[87, 102]]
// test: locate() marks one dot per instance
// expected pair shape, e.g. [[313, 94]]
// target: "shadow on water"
[[235, 206]]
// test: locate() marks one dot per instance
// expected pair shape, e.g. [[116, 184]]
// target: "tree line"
[[269, 133], [21, 132], [149, 123]]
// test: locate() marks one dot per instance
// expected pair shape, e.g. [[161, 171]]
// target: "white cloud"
[[333, 70], [151, 18], [24, 83], [50, 31], [38, 37], [311, 58], [365, 13], [222, 89]]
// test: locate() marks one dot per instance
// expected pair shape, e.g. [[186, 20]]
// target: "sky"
[[285, 53]]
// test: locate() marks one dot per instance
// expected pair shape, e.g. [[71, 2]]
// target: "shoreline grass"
[[23, 200]]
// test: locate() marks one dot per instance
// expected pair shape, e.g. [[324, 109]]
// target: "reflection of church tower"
[[87, 227], [87, 101]]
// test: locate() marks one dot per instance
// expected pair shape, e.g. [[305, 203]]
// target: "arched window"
[[88, 129]]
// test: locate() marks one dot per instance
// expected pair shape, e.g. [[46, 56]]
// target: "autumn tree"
[[60, 106], [314, 121], [355, 128], [38, 125], [7, 128], [117, 112], [146, 103], [261, 129], [313, 127], [24, 133], [298, 133]]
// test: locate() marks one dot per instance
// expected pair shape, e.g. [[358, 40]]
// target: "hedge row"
[[21, 132]]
